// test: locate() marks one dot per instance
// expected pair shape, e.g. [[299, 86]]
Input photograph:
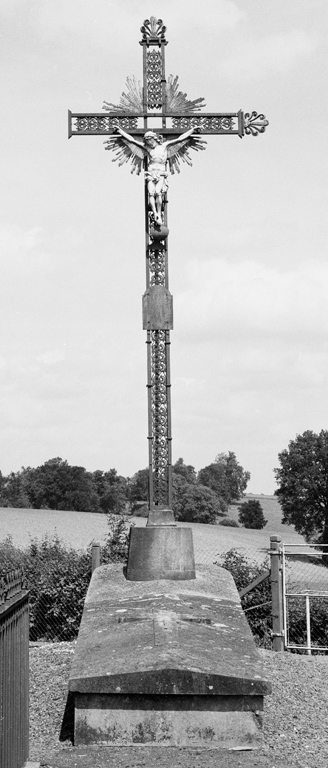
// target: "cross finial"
[[153, 31]]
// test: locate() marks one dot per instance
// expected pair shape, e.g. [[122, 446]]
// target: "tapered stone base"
[[161, 553]]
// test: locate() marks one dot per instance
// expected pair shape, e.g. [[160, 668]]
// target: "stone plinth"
[[166, 662], [161, 552]]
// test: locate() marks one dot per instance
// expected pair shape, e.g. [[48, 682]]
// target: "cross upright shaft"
[[159, 103], [157, 301]]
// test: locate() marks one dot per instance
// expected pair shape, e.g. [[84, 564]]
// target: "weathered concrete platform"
[[165, 662]]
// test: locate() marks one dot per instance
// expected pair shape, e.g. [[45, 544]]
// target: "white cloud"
[[52, 356], [22, 248], [15, 241], [101, 22], [239, 299], [273, 54]]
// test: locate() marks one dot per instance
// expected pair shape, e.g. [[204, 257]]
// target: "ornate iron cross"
[[153, 127]]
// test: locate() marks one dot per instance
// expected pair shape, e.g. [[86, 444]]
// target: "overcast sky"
[[247, 245]]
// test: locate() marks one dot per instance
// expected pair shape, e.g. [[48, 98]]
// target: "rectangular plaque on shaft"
[[157, 309]]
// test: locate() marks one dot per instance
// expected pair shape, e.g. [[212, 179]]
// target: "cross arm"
[[207, 123]]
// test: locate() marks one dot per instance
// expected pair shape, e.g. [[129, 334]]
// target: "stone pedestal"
[[166, 662], [161, 552]]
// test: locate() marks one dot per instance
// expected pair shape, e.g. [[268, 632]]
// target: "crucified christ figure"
[[159, 154]]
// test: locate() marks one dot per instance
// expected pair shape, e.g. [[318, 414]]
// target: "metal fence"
[[283, 589], [14, 671], [55, 614], [305, 597]]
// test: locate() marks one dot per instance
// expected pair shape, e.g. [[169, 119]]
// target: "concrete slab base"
[[182, 721], [166, 662]]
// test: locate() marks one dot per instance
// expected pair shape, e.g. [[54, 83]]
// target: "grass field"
[[78, 529]]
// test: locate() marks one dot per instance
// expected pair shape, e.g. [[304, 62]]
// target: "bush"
[[116, 547], [58, 577], [10, 557], [228, 521], [250, 514], [139, 509], [257, 604], [296, 621]]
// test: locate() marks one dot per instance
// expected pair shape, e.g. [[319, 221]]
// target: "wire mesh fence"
[[55, 620], [305, 586], [58, 577], [56, 608], [55, 616]]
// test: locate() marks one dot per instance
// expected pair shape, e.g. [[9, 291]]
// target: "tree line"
[[302, 480], [198, 497]]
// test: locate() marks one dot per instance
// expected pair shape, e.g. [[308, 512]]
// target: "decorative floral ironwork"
[[154, 80], [159, 417], [92, 123], [153, 31], [254, 123], [215, 123], [158, 379], [157, 266]]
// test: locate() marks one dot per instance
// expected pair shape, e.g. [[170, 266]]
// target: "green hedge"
[[257, 603], [58, 577]]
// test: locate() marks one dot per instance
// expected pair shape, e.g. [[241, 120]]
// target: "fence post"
[[277, 597], [14, 671], [308, 625], [95, 563]]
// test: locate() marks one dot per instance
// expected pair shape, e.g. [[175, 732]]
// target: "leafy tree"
[[225, 477], [194, 503], [303, 484], [111, 490], [139, 486], [57, 485], [13, 489], [250, 514], [179, 486], [185, 470], [191, 501]]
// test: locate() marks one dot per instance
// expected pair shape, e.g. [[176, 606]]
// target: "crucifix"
[[153, 127]]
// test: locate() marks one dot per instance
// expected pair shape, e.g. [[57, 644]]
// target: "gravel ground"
[[295, 729]]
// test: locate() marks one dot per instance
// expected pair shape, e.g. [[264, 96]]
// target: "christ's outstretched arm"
[[180, 138], [130, 138]]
